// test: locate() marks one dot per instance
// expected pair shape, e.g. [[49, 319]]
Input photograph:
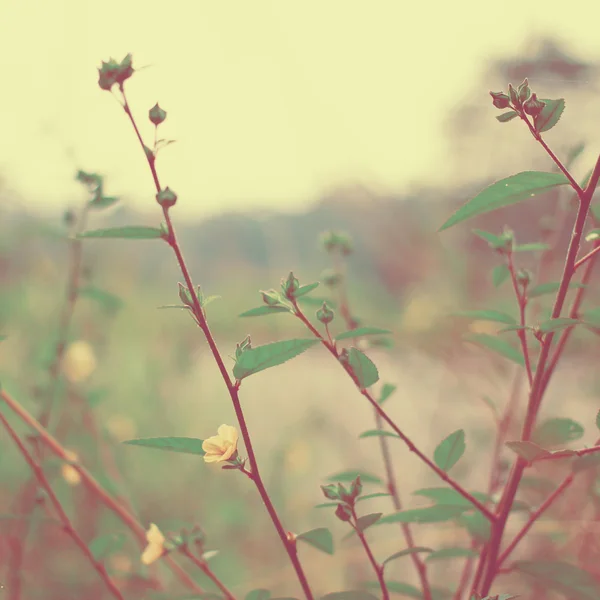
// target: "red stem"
[[232, 387], [411, 446]]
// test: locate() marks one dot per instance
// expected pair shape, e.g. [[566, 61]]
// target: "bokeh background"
[[290, 119]]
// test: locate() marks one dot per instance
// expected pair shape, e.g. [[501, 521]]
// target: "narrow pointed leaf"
[[429, 514], [185, 445], [360, 331], [130, 233], [528, 450], [367, 520], [555, 432], [306, 289], [450, 450], [505, 192], [532, 247], [363, 368], [486, 315], [497, 345], [557, 324], [377, 433], [386, 391], [264, 357], [549, 288], [260, 311], [406, 552], [344, 476], [320, 538], [550, 114], [507, 116], [450, 496], [499, 275], [446, 553]]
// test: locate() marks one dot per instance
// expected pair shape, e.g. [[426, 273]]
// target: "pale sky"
[[270, 101]]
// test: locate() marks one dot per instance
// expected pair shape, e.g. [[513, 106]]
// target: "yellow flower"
[[71, 474], [156, 545], [221, 447], [484, 327], [79, 361]]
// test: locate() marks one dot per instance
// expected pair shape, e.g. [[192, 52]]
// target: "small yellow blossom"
[[71, 474], [79, 361], [484, 327], [221, 447], [156, 545], [121, 427]]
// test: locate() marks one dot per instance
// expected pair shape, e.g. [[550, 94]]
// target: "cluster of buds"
[[345, 498], [521, 100], [336, 241], [112, 72]]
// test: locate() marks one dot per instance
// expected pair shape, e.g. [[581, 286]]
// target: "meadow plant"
[[486, 568]]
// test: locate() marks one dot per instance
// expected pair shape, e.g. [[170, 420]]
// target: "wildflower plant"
[[478, 571]]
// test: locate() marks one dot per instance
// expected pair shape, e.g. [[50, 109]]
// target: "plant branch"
[[56, 447], [534, 517], [232, 388], [384, 447], [411, 446], [62, 515], [201, 564]]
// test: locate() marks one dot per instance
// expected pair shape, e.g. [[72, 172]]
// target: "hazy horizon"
[[270, 103]]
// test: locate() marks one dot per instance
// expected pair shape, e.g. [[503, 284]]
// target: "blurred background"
[[290, 120]]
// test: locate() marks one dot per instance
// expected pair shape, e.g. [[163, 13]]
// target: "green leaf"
[[498, 345], [549, 288], [185, 445], [557, 324], [528, 450], [351, 475], [477, 525], [306, 289], [549, 115], [106, 300], [103, 545], [377, 433], [565, 578], [406, 552], [320, 538], [259, 594], [100, 202], [429, 514], [259, 311], [370, 496], [131, 233], [349, 595], [557, 431], [598, 420], [445, 553], [486, 315], [495, 241], [500, 274], [449, 496], [254, 360], [532, 247], [397, 587], [450, 450], [360, 331], [367, 520], [386, 391], [505, 192], [507, 116], [363, 368]]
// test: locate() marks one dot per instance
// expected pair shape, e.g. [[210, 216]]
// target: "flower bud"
[[514, 96], [330, 491], [501, 100], [533, 106], [524, 277], [325, 314], [270, 298], [290, 286], [157, 115], [523, 91], [343, 513], [166, 198]]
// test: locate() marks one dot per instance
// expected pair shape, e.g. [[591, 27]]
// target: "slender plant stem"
[[384, 447], [522, 302], [62, 515], [537, 388], [201, 564], [534, 517], [232, 387], [591, 254], [129, 520], [411, 446], [377, 568]]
